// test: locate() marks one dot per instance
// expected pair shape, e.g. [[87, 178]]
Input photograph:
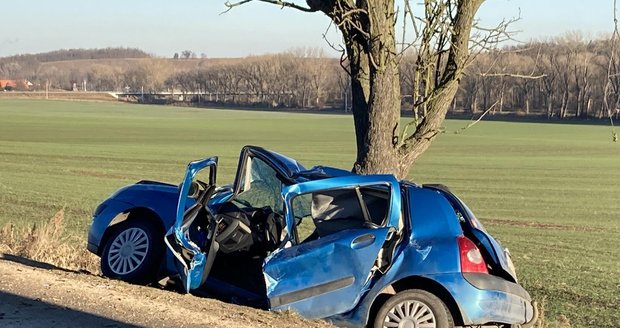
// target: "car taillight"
[[471, 258]]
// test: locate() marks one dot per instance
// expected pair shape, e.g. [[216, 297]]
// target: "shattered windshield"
[[260, 186]]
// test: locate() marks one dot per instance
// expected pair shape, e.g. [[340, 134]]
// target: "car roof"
[[294, 170]]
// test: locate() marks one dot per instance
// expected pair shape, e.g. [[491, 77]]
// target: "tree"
[[442, 47], [187, 54]]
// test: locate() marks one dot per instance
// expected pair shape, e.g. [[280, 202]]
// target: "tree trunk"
[[501, 99], [580, 101], [369, 35], [549, 105], [376, 92], [564, 106], [527, 106]]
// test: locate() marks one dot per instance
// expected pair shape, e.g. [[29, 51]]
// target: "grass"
[[548, 191], [48, 243]]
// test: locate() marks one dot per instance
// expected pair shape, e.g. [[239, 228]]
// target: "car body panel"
[[499, 256], [312, 278], [430, 254], [105, 213], [330, 277], [487, 305], [158, 198]]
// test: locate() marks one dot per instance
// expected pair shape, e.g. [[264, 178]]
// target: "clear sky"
[[163, 27]]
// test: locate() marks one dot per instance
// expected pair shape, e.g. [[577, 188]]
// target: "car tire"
[[414, 308], [133, 252]]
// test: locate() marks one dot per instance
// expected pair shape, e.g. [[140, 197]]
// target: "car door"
[[193, 261], [329, 275]]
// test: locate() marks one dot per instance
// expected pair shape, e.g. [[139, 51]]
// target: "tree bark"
[[375, 86]]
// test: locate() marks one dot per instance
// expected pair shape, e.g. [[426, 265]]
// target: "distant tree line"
[[303, 78], [562, 78], [36, 67]]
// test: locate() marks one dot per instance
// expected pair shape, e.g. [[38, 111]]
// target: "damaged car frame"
[[356, 250]]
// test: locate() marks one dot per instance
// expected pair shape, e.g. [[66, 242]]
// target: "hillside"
[[76, 54], [83, 66]]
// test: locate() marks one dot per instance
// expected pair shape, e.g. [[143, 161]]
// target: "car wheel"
[[132, 252], [414, 308]]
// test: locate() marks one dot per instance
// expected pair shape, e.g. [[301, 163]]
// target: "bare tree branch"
[[461, 130], [519, 76], [230, 5]]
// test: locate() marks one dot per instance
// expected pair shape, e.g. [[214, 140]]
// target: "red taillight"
[[471, 258]]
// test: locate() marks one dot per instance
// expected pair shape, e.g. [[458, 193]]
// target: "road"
[[35, 294]]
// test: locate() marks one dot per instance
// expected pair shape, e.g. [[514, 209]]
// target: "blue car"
[[350, 249]]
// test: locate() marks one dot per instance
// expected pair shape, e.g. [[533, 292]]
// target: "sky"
[[163, 27]]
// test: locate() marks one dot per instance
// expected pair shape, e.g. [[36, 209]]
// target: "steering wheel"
[[233, 229]]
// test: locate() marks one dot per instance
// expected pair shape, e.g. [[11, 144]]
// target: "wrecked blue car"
[[326, 243]]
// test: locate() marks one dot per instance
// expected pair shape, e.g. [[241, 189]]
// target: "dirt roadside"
[[34, 294]]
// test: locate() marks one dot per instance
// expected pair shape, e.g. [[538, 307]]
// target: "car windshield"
[[260, 186]]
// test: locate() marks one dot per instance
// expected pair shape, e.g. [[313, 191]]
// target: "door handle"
[[363, 241]]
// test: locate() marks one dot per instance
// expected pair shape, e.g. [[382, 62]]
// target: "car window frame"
[[351, 182]]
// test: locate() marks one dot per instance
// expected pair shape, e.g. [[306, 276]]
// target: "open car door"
[[327, 274], [194, 248]]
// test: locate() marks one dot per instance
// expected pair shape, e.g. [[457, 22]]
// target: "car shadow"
[[36, 264], [19, 311]]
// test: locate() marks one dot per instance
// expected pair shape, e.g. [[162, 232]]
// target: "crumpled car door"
[[193, 261], [329, 275]]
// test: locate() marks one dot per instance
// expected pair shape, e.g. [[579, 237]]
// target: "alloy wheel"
[[410, 314], [128, 251]]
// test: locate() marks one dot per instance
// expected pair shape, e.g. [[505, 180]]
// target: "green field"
[[550, 192]]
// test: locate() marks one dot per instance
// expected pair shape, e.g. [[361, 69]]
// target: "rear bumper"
[[488, 282], [483, 299]]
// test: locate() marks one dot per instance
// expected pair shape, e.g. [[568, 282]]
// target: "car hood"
[[134, 194]]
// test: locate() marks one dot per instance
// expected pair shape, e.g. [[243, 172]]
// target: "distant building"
[[15, 84], [7, 83]]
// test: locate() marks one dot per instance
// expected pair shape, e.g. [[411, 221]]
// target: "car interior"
[[243, 231], [246, 235]]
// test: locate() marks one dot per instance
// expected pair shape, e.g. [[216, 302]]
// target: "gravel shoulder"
[[35, 294]]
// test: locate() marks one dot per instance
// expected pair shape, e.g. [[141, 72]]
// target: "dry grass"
[[46, 243], [561, 322]]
